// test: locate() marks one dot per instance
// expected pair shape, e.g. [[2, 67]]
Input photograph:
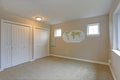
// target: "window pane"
[[57, 32], [119, 32], [93, 29]]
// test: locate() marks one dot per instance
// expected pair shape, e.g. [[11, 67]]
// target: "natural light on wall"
[[57, 32], [93, 29]]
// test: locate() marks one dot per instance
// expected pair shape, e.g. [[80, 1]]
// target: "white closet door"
[[41, 43], [20, 43], [5, 45], [26, 41]]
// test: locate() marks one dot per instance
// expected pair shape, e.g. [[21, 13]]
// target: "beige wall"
[[115, 59], [92, 48]]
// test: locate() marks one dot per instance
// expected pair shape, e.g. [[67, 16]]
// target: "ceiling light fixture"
[[38, 18]]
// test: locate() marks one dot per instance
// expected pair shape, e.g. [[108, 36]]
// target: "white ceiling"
[[56, 11]]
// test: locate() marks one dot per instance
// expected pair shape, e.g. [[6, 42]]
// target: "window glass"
[[93, 29], [119, 32], [57, 33]]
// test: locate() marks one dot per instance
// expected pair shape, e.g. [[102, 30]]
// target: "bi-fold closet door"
[[20, 44], [6, 47], [15, 44], [41, 42]]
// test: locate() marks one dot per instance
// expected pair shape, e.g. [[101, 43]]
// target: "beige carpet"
[[53, 68]]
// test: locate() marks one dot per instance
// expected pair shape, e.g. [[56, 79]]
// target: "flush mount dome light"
[[38, 18]]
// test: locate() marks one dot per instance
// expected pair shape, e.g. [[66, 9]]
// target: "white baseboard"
[[113, 74], [32, 60], [38, 58], [91, 61]]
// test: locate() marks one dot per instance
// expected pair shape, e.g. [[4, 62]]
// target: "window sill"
[[116, 52], [88, 35]]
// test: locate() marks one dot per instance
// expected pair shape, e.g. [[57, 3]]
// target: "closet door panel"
[[16, 39], [44, 42], [26, 44], [6, 45], [41, 44], [36, 44], [20, 42]]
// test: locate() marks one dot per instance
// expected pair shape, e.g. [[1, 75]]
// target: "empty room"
[[59, 39]]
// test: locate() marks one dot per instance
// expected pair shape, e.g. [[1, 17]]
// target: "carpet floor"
[[54, 68]]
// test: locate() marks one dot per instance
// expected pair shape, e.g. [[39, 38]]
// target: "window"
[[119, 32], [57, 32], [116, 33], [93, 29]]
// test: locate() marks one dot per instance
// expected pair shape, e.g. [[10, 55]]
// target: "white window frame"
[[55, 32], [114, 31], [118, 33], [92, 24]]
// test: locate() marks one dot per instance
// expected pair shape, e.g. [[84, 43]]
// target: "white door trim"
[[16, 23]]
